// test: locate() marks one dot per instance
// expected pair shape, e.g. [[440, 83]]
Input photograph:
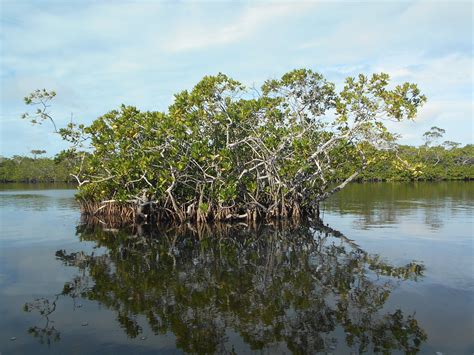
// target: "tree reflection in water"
[[275, 285], [46, 333]]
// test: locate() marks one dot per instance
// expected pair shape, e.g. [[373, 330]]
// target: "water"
[[392, 271]]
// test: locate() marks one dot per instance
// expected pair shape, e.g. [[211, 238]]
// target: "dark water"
[[392, 272]]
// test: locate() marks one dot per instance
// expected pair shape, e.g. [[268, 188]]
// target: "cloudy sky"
[[99, 54]]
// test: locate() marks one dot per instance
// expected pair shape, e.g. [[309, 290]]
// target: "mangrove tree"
[[224, 152]]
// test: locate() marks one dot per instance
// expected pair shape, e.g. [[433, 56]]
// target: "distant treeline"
[[435, 163], [31, 170]]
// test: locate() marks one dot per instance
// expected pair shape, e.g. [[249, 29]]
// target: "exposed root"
[[195, 212]]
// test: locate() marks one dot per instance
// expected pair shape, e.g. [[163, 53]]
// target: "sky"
[[99, 54]]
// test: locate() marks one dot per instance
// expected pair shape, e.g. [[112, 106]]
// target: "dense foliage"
[[226, 152]]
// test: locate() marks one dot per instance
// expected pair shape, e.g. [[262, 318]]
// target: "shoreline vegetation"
[[25, 169], [224, 152]]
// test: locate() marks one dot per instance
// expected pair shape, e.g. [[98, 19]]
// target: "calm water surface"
[[392, 271]]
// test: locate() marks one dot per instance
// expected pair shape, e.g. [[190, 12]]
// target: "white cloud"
[[453, 116], [199, 35], [443, 75], [447, 83], [375, 31]]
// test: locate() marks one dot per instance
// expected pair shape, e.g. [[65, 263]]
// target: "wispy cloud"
[[202, 34]]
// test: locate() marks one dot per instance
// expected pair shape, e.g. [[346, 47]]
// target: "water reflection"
[[304, 288], [383, 204], [45, 331], [37, 200]]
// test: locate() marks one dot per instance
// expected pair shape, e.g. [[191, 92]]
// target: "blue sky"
[[99, 54]]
